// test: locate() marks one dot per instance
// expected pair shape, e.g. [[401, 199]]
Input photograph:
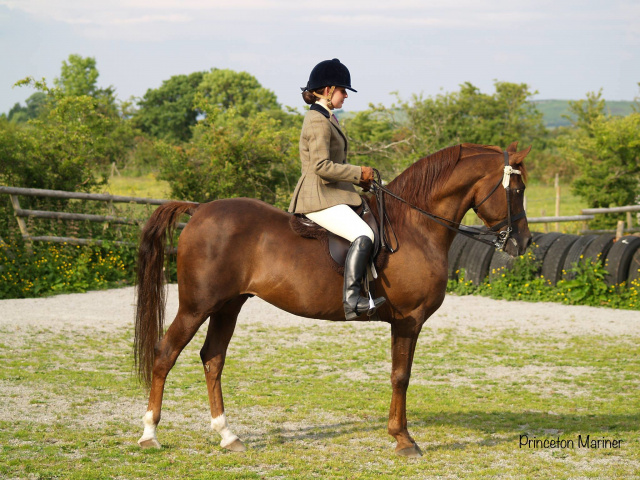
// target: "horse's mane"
[[420, 181]]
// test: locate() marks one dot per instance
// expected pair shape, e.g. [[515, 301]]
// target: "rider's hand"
[[366, 178]]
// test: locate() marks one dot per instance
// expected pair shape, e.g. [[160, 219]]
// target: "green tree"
[[470, 116], [234, 156], [415, 128], [78, 76], [243, 144], [68, 147], [605, 150], [374, 141], [225, 89], [36, 103], [168, 112]]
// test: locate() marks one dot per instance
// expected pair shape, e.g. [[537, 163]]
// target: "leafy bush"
[[523, 282], [63, 268], [233, 156]]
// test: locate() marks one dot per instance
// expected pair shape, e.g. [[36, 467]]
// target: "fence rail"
[[629, 208], [21, 214], [104, 197], [574, 218]]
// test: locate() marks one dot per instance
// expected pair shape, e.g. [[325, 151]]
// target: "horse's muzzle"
[[516, 245]]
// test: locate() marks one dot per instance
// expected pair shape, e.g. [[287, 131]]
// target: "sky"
[[560, 49]]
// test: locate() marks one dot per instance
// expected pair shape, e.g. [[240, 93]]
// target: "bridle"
[[474, 233]]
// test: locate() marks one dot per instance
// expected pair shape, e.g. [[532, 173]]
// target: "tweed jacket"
[[327, 180]]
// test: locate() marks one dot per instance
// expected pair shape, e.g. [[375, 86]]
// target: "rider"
[[325, 192]]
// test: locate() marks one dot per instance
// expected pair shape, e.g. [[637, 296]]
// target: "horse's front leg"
[[403, 344]]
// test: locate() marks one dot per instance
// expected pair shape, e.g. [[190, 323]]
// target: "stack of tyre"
[[555, 252]]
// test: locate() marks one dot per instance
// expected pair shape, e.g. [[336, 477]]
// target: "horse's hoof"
[[236, 446], [149, 443], [410, 452]]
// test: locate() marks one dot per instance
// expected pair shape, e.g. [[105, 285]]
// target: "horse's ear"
[[518, 157], [513, 148]]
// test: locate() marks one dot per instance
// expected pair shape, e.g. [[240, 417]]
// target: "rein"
[[471, 232]]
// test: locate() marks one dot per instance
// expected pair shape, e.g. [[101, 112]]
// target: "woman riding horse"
[[325, 192], [236, 248]]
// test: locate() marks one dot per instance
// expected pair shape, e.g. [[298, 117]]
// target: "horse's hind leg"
[[179, 334], [213, 354]]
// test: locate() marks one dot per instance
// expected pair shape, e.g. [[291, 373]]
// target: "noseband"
[[474, 233]]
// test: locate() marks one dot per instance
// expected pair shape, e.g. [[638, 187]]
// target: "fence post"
[[620, 229], [557, 185], [21, 223], [629, 221]]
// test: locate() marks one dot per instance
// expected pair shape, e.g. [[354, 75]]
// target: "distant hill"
[[553, 110]]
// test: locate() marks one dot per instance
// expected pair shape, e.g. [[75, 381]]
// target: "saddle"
[[335, 246]]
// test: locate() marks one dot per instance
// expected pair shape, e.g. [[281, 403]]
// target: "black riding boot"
[[355, 267]]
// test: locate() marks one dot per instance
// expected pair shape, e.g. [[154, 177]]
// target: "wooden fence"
[[21, 214]]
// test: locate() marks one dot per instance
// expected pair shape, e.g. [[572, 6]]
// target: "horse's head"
[[499, 199]]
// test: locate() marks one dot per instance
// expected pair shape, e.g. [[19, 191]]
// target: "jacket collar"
[[319, 108]]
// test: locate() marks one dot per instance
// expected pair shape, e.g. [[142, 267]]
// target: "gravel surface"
[[110, 310]]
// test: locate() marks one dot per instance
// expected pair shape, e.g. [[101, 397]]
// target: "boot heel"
[[351, 316]]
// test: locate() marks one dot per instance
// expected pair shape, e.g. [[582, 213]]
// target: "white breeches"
[[343, 221]]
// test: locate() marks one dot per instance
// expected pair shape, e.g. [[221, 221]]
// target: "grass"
[[311, 401], [541, 202], [144, 186]]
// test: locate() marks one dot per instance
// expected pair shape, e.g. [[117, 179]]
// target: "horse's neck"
[[451, 202]]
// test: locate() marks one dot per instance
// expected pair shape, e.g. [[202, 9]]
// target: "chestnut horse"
[[232, 249]]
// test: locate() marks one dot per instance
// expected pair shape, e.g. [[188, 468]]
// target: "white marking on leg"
[[220, 425], [149, 428]]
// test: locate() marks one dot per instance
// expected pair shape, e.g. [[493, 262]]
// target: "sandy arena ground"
[[109, 310]]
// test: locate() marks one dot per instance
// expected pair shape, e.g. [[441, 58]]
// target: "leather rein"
[[471, 232]]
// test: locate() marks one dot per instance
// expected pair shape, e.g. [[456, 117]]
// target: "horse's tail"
[[150, 291]]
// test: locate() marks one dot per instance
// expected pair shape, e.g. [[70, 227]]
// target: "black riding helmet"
[[329, 73]]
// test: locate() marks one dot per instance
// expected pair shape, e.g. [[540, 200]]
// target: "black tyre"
[[535, 236], [554, 259], [634, 271], [619, 259], [599, 248], [500, 262], [455, 252], [477, 262], [573, 255], [542, 245]]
